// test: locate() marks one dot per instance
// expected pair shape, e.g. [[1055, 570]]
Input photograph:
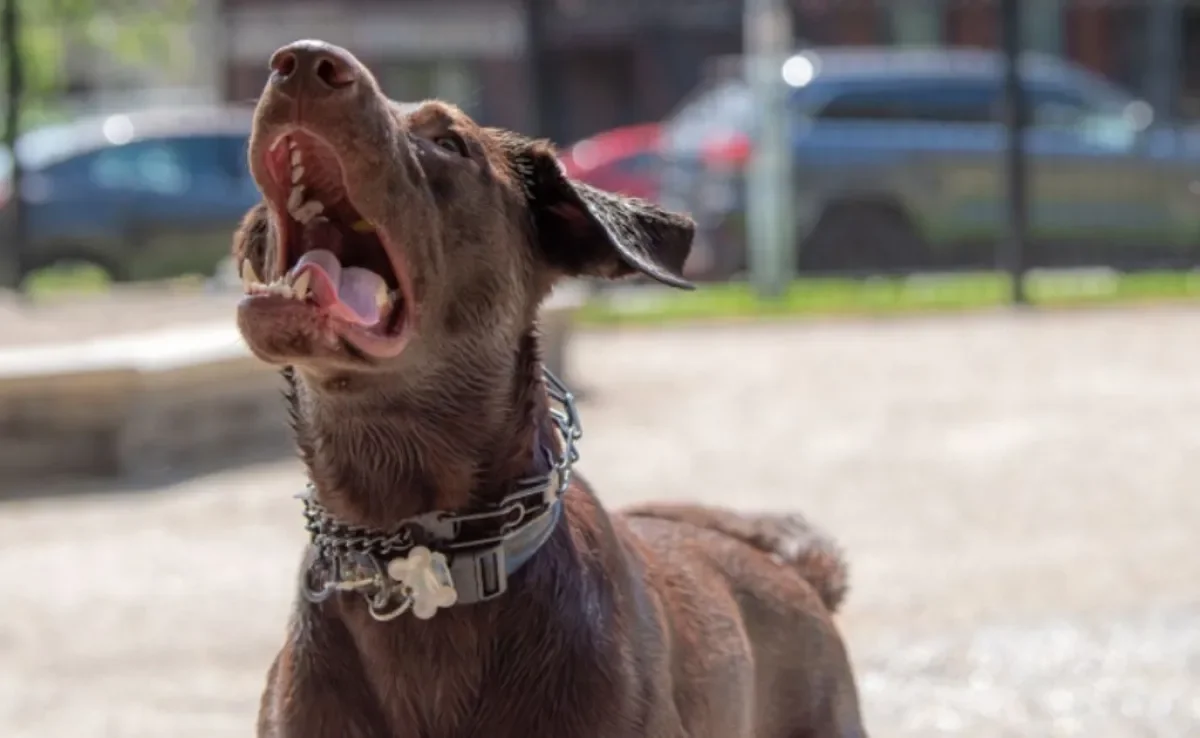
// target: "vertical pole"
[[12, 244], [1164, 31], [212, 42], [1013, 255], [770, 222], [547, 109]]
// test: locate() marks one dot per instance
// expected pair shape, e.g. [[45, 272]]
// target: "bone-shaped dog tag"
[[426, 579]]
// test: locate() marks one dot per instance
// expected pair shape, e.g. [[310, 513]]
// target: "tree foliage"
[[126, 31], [38, 36]]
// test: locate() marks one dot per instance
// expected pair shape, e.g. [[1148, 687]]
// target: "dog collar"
[[440, 559]]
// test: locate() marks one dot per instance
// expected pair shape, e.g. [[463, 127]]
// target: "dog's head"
[[395, 239]]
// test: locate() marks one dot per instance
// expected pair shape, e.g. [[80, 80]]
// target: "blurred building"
[[619, 61], [614, 63]]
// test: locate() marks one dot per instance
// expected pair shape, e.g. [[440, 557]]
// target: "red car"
[[624, 160]]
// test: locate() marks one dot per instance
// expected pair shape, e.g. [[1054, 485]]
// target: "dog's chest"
[[436, 680]]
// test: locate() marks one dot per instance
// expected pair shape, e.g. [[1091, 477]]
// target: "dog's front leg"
[[316, 688]]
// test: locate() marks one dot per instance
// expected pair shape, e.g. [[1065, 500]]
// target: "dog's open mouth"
[[334, 263]]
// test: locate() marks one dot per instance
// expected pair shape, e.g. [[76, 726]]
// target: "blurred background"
[[903, 208]]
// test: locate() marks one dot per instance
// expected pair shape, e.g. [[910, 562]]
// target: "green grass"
[[812, 296], [66, 279], [889, 296]]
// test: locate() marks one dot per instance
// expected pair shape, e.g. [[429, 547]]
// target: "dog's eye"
[[453, 143]]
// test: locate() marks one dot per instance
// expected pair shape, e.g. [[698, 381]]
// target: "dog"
[[463, 579]]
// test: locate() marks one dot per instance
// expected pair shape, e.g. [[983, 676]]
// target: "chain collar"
[[442, 558]]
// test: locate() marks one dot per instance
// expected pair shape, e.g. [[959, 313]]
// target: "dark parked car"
[[899, 164], [141, 195]]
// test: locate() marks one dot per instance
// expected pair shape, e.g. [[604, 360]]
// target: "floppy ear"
[[583, 231]]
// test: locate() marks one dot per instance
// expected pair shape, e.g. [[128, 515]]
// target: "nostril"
[[334, 72], [284, 64]]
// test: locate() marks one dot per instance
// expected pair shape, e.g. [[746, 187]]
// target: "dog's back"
[[782, 579], [789, 539]]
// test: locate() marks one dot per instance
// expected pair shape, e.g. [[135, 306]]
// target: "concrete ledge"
[[150, 403]]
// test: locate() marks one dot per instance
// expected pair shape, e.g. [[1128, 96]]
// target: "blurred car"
[[141, 195], [624, 160], [898, 164]]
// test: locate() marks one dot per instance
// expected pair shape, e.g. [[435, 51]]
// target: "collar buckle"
[[480, 575]]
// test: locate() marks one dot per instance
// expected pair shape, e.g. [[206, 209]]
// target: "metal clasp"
[[481, 575]]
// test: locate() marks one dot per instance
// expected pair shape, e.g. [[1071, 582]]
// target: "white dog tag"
[[426, 578]]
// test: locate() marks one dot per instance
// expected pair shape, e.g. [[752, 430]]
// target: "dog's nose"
[[314, 67]]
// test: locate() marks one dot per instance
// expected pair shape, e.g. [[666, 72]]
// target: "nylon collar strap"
[[441, 559]]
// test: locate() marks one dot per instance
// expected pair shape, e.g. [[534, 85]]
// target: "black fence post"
[[540, 72], [12, 244], [1165, 41], [1013, 255]]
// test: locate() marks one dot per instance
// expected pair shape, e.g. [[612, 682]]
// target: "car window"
[[154, 166], [943, 101], [1055, 106], [213, 156], [1097, 120]]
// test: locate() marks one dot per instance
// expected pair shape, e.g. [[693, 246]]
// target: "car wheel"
[[863, 237]]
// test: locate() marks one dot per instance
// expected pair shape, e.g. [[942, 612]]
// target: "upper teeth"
[[299, 208]]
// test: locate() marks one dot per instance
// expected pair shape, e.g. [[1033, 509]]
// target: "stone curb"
[[146, 403]]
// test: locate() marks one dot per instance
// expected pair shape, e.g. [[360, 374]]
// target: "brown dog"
[[461, 582]]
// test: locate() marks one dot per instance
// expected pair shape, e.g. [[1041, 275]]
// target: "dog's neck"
[[461, 444]]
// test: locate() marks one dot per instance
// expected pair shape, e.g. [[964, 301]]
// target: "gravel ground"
[[127, 309], [1016, 494]]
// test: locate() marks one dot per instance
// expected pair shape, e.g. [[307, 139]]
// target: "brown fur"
[[666, 621]]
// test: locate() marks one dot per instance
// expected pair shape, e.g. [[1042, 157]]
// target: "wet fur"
[[664, 621]]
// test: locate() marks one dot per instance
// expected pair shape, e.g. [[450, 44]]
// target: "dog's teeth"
[[363, 226], [300, 286], [295, 199], [292, 144], [296, 157], [249, 277], [279, 287], [382, 297], [308, 211], [297, 174]]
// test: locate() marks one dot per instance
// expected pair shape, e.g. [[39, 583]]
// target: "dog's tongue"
[[347, 293]]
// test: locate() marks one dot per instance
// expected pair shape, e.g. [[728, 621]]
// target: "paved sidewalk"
[[1017, 496]]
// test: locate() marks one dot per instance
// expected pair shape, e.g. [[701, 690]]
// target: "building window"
[[1041, 26], [916, 24]]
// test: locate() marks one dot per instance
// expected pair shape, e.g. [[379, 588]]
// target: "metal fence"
[[947, 135], [911, 145]]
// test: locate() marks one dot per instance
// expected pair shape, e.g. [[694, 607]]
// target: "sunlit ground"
[[1016, 494]]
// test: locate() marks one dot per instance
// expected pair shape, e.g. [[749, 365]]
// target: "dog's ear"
[[583, 231], [251, 241]]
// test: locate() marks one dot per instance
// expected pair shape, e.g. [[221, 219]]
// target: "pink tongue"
[[348, 293]]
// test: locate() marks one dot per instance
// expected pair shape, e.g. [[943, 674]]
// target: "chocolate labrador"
[[462, 580]]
